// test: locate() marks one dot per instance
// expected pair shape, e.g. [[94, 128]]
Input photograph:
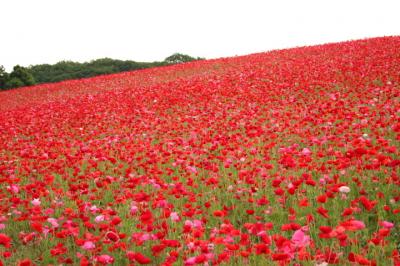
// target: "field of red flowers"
[[289, 157]]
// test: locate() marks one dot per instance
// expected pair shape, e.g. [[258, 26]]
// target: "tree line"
[[64, 70]]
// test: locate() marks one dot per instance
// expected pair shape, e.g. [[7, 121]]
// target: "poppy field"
[[289, 157]]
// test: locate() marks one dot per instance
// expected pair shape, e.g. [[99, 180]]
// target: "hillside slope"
[[290, 155]]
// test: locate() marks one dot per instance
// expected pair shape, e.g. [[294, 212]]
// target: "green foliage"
[[23, 75], [14, 83], [178, 58], [19, 77], [65, 70], [3, 77]]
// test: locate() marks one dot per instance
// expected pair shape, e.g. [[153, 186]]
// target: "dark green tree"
[[178, 58], [3, 78], [20, 76], [14, 83]]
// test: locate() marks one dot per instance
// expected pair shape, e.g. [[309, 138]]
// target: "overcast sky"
[[48, 31]]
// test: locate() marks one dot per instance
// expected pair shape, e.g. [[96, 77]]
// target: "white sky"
[[48, 31]]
